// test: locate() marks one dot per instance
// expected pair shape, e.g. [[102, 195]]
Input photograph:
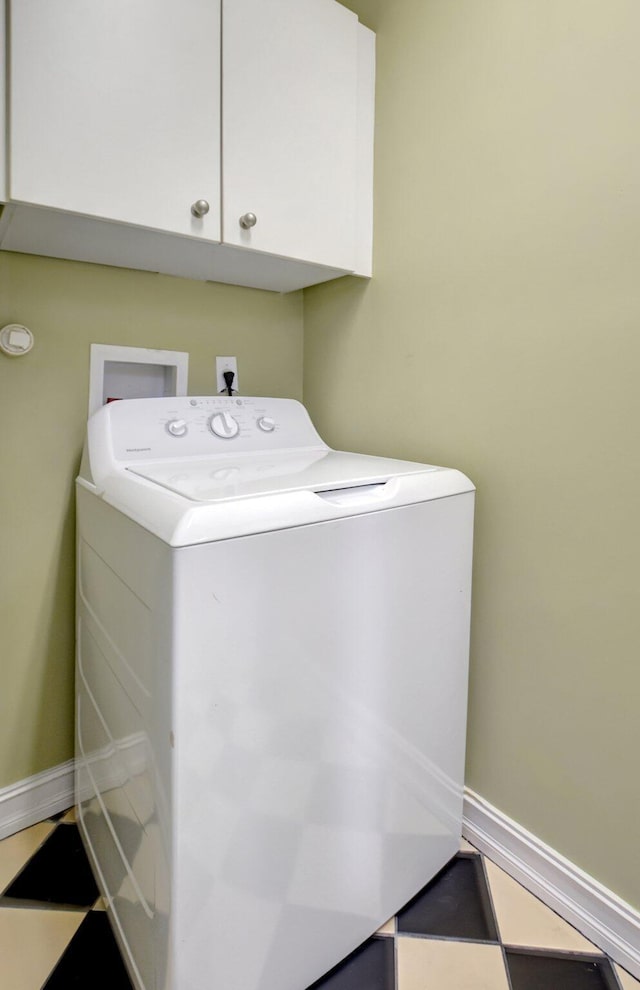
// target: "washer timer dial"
[[223, 425]]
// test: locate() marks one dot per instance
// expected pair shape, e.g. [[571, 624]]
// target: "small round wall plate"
[[15, 340]]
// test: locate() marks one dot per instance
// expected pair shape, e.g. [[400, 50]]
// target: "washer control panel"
[[199, 426]]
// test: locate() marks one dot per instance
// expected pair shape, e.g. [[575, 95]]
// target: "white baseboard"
[[594, 910], [31, 800]]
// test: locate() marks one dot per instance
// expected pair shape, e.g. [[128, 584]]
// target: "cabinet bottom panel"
[[34, 230]]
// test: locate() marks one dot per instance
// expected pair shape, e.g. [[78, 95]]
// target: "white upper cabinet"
[[125, 115], [3, 106], [115, 110], [290, 78]]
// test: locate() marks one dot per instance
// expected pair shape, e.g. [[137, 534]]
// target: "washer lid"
[[244, 476]]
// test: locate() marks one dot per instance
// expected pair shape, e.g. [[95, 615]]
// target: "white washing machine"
[[271, 687]]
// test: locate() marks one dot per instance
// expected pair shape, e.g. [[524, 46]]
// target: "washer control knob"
[[177, 428], [223, 425], [267, 424]]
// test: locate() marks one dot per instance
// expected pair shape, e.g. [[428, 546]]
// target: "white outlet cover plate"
[[226, 364]]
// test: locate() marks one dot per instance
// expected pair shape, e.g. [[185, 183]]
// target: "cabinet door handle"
[[200, 208], [248, 220]]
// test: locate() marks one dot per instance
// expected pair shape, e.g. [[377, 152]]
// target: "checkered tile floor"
[[471, 928]]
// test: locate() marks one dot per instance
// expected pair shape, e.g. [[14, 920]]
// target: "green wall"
[[43, 401], [501, 334]]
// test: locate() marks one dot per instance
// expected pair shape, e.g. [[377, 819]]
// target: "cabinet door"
[[289, 128], [115, 110]]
